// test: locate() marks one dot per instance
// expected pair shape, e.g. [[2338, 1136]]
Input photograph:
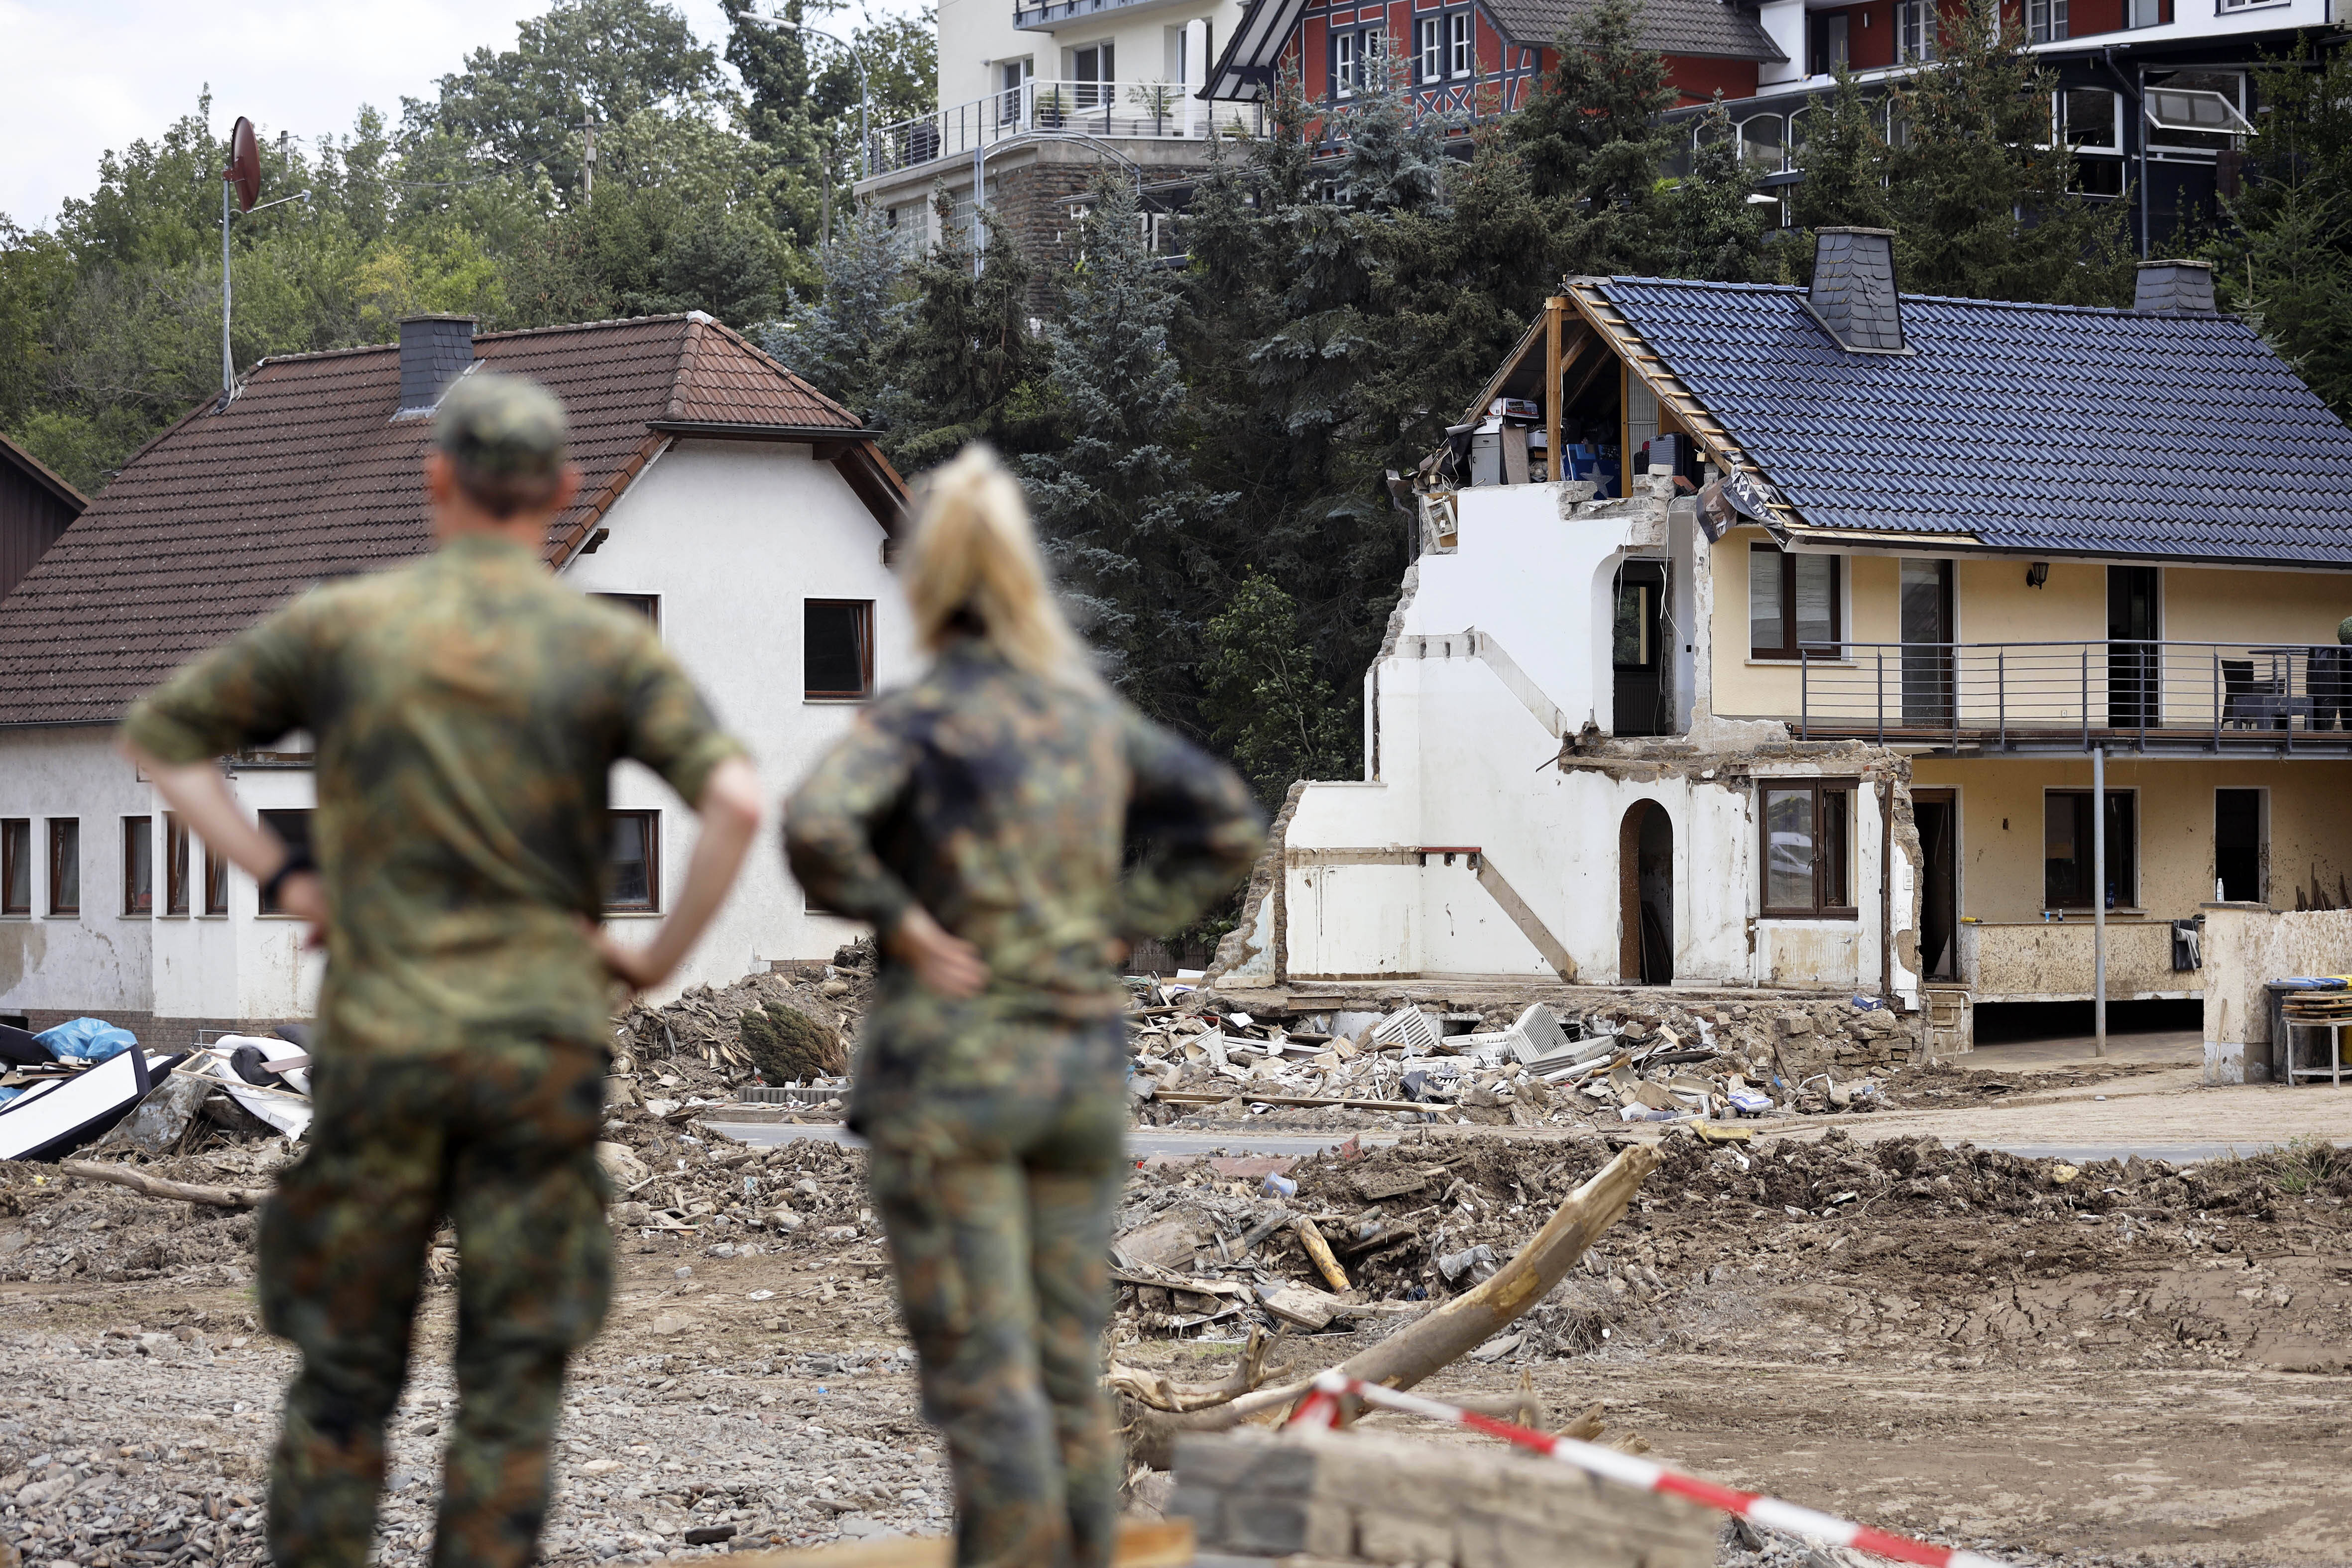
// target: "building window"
[[1343, 64], [1915, 31], [1829, 36], [1092, 70], [293, 830], [2045, 21], [216, 881], [646, 604], [1759, 142], [16, 866], [1808, 827], [2090, 121], [1793, 603], [633, 868], [175, 864], [1461, 56], [837, 648], [1428, 56], [2066, 849], [138, 865], [64, 866], [2238, 844]]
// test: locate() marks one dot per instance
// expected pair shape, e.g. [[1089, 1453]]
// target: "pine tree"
[[1129, 529], [1982, 202], [962, 364], [1844, 160], [2288, 263], [835, 340], [1271, 705], [1593, 140], [1706, 226]]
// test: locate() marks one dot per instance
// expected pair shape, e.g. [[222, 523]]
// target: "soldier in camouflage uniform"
[[979, 819], [467, 710]]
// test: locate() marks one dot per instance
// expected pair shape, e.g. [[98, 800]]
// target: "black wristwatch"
[[298, 860]]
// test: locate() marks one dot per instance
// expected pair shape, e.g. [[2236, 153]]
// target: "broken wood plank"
[[1211, 1097]]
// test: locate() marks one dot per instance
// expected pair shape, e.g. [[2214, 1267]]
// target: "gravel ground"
[[2129, 1364]]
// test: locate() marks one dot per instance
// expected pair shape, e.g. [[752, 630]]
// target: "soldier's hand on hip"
[[304, 895], [634, 967], [940, 960]]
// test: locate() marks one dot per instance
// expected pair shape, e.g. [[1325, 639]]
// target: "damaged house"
[[1814, 706], [727, 501]]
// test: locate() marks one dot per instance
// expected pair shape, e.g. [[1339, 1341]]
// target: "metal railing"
[[1159, 110], [2045, 695]]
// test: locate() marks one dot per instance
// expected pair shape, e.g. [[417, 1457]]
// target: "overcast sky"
[[78, 77]]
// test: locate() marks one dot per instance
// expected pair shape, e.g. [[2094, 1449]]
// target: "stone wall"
[[1347, 1497]]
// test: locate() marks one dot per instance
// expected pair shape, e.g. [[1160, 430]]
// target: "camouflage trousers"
[[997, 1201], [502, 1140]]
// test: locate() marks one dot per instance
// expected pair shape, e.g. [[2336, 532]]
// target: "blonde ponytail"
[[974, 565]]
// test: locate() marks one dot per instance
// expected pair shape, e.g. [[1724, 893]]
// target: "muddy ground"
[[2137, 1365]]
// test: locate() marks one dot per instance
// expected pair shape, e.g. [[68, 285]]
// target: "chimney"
[[2175, 289], [434, 352], [1853, 289]]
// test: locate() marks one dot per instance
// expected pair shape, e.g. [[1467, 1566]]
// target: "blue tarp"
[[87, 1039]]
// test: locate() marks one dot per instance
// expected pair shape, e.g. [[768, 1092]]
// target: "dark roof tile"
[[2032, 427]]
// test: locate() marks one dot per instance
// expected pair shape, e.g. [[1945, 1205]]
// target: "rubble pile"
[[1205, 1253], [767, 1028], [1623, 1060], [54, 1229], [671, 1177]]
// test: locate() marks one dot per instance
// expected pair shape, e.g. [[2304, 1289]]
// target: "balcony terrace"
[[2182, 698], [1107, 111]]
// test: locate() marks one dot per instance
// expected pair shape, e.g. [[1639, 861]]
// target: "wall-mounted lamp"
[[2037, 574]]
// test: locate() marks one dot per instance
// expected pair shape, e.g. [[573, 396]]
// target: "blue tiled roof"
[[2049, 427]]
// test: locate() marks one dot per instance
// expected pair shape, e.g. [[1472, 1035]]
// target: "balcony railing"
[[2069, 696], [1156, 110]]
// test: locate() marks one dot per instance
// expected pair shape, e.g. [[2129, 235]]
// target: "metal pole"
[[228, 365], [2099, 901]]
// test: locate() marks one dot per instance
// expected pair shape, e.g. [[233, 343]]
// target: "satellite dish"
[[243, 171]]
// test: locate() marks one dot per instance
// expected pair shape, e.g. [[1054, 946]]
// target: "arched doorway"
[[1645, 876]]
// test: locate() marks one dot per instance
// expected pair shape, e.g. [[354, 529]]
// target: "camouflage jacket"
[[1042, 822], [467, 710]]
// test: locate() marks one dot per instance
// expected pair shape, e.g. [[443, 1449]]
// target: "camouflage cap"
[[502, 426]]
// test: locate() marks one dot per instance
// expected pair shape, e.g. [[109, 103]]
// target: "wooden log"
[[157, 1187], [1439, 1336], [1320, 1251]]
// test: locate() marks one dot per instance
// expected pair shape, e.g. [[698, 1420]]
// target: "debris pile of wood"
[[1200, 1059]]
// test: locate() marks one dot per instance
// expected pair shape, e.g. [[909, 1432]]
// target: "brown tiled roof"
[[307, 476], [1718, 29]]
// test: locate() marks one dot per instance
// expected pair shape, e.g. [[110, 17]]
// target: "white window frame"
[[1915, 32], [1345, 66], [2045, 21], [1431, 35], [1461, 44]]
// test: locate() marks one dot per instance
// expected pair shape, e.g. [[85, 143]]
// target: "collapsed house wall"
[[1489, 835]]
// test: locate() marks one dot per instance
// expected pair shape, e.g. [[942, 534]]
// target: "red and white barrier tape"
[[1322, 1406]]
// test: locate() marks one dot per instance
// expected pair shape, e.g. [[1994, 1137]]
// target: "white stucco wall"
[[732, 537], [1468, 761], [98, 959]]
